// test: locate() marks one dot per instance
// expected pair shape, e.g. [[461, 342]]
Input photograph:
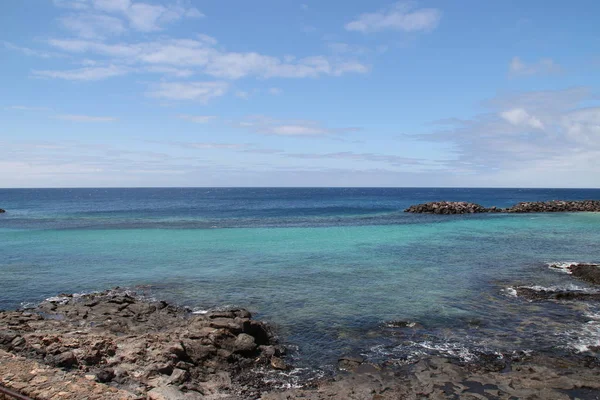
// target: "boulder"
[[2, 211]]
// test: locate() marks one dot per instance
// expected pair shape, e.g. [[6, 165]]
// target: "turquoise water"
[[328, 276]]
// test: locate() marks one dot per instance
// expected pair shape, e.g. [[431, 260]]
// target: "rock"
[[547, 294], [461, 207], [136, 344], [105, 375], [587, 272], [278, 363], [171, 393], [350, 362], [178, 376], [447, 207], [63, 360], [2, 211], [244, 343]]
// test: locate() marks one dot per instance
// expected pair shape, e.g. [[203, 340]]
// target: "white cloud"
[[520, 117], [399, 17], [84, 74], [201, 54], [27, 108], [269, 126], [29, 52], [201, 91], [92, 26], [542, 67], [242, 94], [199, 119], [275, 91], [143, 17], [501, 148], [85, 118]]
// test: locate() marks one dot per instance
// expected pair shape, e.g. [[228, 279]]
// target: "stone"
[[2, 211], [64, 360], [278, 363], [244, 343]]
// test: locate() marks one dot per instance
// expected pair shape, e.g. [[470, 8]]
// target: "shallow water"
[[328, 267]]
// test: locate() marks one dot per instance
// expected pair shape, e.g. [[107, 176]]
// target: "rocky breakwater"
[[148, 348], [555, 206], [461, 207], [447, 207]]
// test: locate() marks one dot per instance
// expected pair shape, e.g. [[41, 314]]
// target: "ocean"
[[329, 268]]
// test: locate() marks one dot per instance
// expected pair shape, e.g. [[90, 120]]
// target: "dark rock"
[[2, 211], [447, 207], [350, 363], [565, 295], [461, 207], [587, 272], [63, 360], [105, 375]]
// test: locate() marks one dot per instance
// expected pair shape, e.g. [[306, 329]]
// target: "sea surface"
[[329, 268]]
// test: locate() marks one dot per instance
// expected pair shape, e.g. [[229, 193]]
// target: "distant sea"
[[330, 268]]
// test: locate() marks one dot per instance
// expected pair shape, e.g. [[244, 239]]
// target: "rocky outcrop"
[[532, 293], [149, 348], [2, 211], [447, 207], [584, 271], [461, 207], [556, 206]]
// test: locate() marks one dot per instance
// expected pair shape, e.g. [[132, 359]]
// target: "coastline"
[[122, 345]]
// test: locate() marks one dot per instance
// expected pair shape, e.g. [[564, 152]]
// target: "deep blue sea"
[[329, 268]]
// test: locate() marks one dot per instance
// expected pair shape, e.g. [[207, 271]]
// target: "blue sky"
[[299, 93]]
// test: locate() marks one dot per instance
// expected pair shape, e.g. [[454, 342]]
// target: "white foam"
[[561, 266], [201, 312], [560, 288], [509, 291]]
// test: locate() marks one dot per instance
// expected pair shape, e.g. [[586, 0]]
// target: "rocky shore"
[[461, 207], [149, 349], [117, 345]]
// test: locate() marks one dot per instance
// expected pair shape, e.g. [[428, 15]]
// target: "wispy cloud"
[[402, 16], [306, 128], [26, 108], [97, 18], [201, 91], [30, 52], [92, 26], [544, 66], [85, 118], [84, 74], [527, 137], [202, 55], [199, 119]]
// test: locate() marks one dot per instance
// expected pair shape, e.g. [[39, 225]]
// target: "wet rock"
[[587, 272], [278, 363], [403, 324], [350, 362], [2, 211], [547, 294]]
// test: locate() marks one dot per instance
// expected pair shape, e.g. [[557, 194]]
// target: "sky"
[[470, 93]]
